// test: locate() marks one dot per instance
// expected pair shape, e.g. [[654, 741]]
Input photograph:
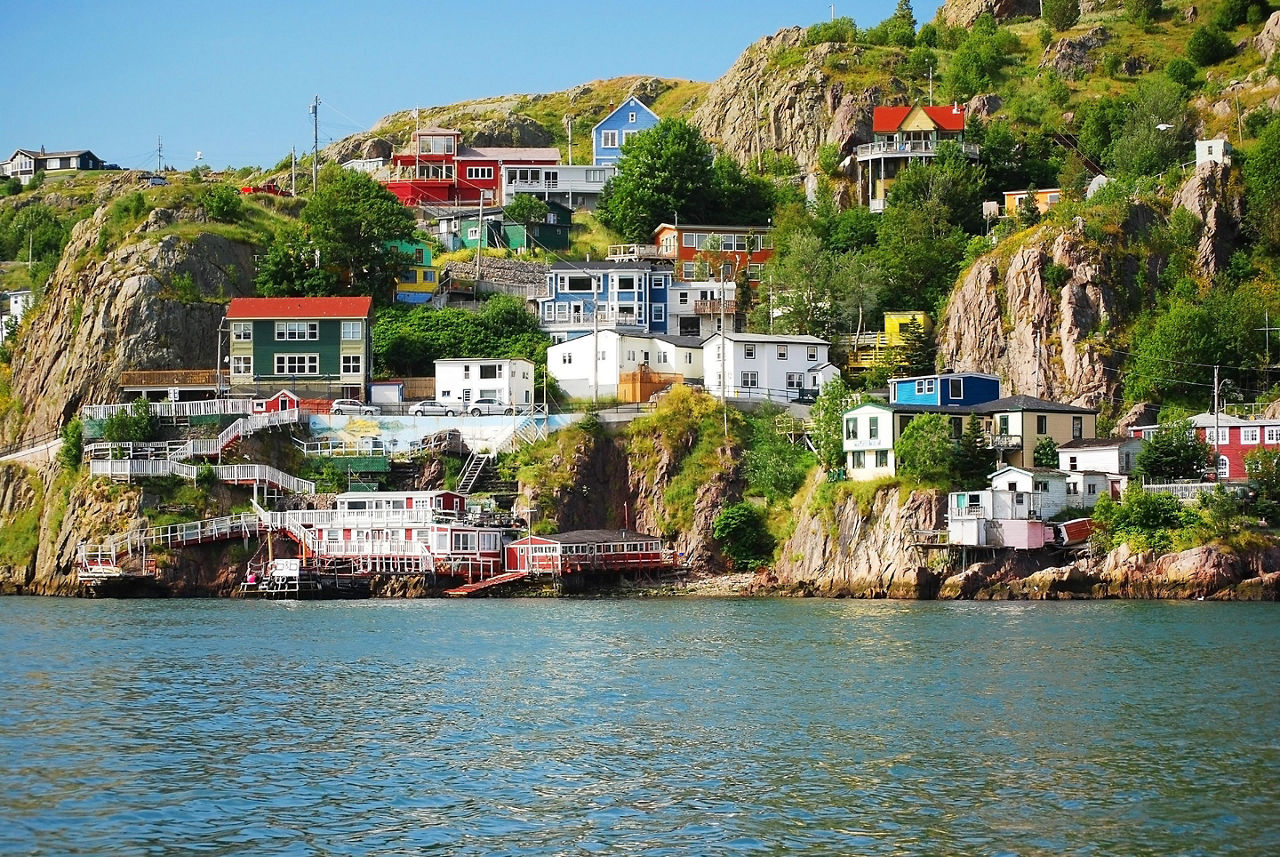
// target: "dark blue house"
[[627, 119], [629, 297], [947, 389]]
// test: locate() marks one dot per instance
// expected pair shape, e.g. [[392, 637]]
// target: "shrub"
[[72, 444], [740, 529], [1181, 71], [829, 158], [1142, 11], [1061, 14], [841, 30], [221, 202], [1209, 45]]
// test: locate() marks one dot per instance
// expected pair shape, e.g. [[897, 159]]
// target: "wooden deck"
[[470, 588]]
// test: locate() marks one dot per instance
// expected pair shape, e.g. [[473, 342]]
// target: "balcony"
[[634, 252], [713, 307], [910, 148], [595, 321], [1004, 442]]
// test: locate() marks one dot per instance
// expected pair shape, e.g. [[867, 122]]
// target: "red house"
[[746, 247], [439, 170], [587, 550], [901, 136], [1232, 438]]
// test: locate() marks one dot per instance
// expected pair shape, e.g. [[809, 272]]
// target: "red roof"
[[300, 307], [886, 120]]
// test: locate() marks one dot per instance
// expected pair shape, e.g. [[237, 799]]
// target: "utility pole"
[[1215, 422], [315, 143], [480, 236], [159, 151], [293, 171]]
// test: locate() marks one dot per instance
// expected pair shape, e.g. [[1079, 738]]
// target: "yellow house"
[[868, 350], [418, 281], [1045, 199]]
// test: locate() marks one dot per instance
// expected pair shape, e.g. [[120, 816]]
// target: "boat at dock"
[[291, 580]]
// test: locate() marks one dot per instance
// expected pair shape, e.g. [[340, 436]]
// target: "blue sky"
[[234, 79]]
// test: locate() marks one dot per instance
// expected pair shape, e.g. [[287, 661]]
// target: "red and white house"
[[745, 248], [439, 170], [1232, 438], [901, 136], [587, 550]]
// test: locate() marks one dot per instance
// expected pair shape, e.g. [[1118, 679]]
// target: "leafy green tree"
[[526, 209], [1061, 14], [72, 449], [811, 286], [919, 62], [738, 198], [1262, 465], [1174, 451], [1157, 131], [1143, 11], [1262, 183], [1143, 520], [221, 202], [1181, 72], [978, 61], [1175, 351], [900, 27], [827, 413], [664, 172], [920, 251], [743, 537], [289, 269], [138, 424], [11, 187], [975, 460], [1208, 46], [925, 451], [773, 465], [1045, 453]]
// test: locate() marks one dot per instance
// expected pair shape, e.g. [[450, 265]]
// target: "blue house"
[[950, 389], [624, 296], [627, 119]]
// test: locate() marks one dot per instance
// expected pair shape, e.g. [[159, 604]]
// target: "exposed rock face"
[[863, 555], [1206, 195], [756, 107], [1072, 57], [122, 313], [984, 106], [513, 131], [1268, 41], [997, 322], [962, 13]]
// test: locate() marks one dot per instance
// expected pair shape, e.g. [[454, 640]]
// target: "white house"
[[463, 379], [1012, 512], [759, 366], [1113, 456], [694, 309], [1213, 152], [868, 442], [15, 303], [615, 354]]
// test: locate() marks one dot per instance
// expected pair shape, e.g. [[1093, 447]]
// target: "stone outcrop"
[[1075, 56], [756, 107], [962, 13], [1037, 336], [848, 551], [1207, 195], [1268, 41], [984, 106]]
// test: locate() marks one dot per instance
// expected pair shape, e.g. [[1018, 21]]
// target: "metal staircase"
[[473, 472]]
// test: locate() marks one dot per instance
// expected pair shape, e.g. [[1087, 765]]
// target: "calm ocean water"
[[655, 727]]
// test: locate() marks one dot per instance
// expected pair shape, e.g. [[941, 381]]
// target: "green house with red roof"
[[316, 347]]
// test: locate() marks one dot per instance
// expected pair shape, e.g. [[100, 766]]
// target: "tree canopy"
[[925, 451], [1174, 451]]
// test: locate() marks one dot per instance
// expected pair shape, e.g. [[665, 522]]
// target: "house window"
[[575, 284], [492, 370], [659, 312], [859, 460], [595, 176], [1072, 464], [795, 380], [631, 355], [352, 364], [1249, 434], [473, 233], [924, 387], [1042, 487], [1224, 468], [628, 134], [631, 117], [749, 352], [688, 240], [683, 298], [296, 330], [242, 331], [241, 365], [662, 357], [882, 458], [1073, 488], [1077, 427], [353, 331], [465, 542], [873, 428], [1042, 424], [955, 388], [1224, 435], [479, 172], [608, 139], [1093, 489], [1004, 424], [782, 352], [566, 358], [811, 353], [851, 428], [297, 364], [750, 379], [688, 270], [1272, 434]]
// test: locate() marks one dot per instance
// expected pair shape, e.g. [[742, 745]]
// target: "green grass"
[[20, 530]]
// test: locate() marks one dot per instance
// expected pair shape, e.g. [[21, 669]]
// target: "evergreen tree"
[[919, 351], [1046, 452], [1174, 451], [974, 459]]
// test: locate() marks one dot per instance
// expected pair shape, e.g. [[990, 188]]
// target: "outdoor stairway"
[[472, 472], [257, 475], [102, 560]]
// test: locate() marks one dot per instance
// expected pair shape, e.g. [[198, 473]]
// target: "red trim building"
[[748, 247], [587, 550], [899, 137], [439, 170], [1232, 439]]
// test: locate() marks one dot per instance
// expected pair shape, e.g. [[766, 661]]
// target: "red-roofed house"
[[439, 170], [317, 347], [900, 136]]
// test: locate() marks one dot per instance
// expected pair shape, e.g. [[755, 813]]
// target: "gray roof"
[[610, 265], [1026, 403], [678, 341], [1096, 442], [783, 339]]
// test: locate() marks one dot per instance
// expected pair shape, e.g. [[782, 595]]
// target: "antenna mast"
[[159, 150]]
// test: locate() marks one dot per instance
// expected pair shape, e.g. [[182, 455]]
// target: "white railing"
[[1187, 492], [912, 147], [635, 251], [246, 426], [171, 410], [173, 535], [258, 474], [340, 448]]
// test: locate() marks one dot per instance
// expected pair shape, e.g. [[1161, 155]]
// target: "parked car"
[[352, 406], [432, 408], [486, 407]]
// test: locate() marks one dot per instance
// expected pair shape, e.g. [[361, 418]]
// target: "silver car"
[[432, 408], [353, 406], [487, 407]]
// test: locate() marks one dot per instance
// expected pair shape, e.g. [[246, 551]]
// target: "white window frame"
[[659, 312], [242, 331], [750, 380], [242, 364], [608, 139], [311, 364], [480, 172], [297, 331], [352, 331], [795, 380], [1249, 435]]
